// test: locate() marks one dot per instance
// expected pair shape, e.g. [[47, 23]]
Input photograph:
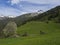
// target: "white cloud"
[[23, 13], [11, 12], [14, 2], [30, 8], [33, 8], [8, 11], [36, 1], [43, 1]]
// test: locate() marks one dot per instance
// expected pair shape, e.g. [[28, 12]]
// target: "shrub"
[[10, 29], [25, 34], [41, 32]]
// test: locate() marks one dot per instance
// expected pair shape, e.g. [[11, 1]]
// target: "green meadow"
[[33, 28]]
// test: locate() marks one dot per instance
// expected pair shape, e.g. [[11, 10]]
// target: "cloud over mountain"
[[17, 7]]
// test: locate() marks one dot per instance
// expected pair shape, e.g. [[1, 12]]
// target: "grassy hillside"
[[26, 24], [33, 28], [36, 27], [50, 15]]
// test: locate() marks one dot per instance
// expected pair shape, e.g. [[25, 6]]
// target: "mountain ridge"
[[50, 15]]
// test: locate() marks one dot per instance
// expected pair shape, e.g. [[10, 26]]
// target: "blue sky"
[[18, 7]]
